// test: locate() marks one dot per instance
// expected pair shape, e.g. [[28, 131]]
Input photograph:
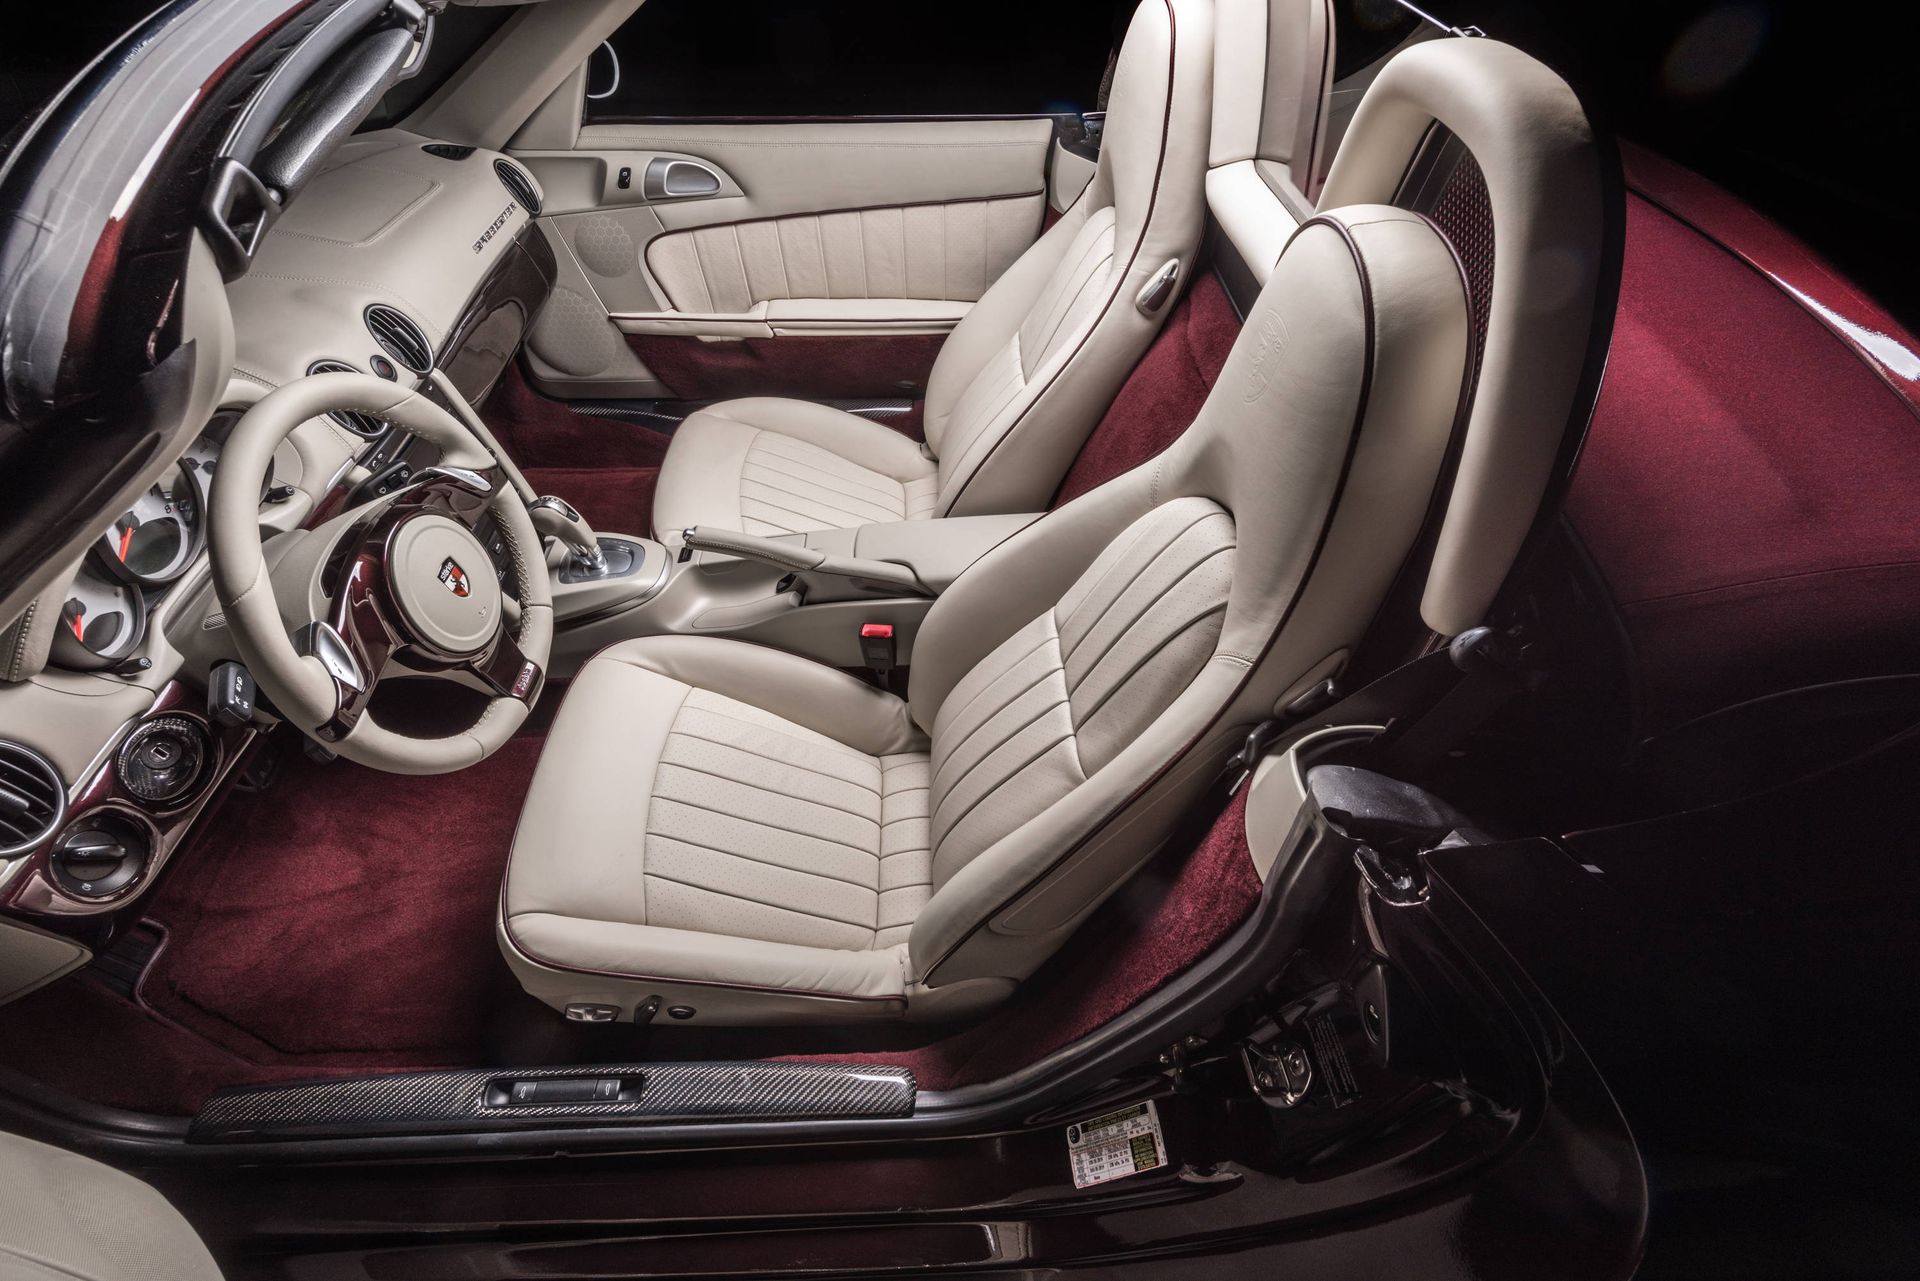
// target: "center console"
[[799, 597]]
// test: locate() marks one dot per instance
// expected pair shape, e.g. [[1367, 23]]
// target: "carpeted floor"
[[606, 467], [346, 911], [339, 922], [614, 500]]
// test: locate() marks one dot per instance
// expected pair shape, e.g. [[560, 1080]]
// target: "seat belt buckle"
[[877, 647]]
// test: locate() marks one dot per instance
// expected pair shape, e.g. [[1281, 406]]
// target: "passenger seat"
[[1026, 375], [68, 1218]]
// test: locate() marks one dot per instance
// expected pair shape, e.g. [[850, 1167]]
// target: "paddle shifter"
[[556, 518]]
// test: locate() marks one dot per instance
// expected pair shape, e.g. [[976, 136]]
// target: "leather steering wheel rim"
[[308, 691]]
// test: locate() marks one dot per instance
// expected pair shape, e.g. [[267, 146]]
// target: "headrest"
[[1532, 142]]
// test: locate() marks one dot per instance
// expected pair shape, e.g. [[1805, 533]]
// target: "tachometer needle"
[[126, 541]]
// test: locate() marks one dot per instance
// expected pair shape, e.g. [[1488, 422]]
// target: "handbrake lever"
[[802, 559]]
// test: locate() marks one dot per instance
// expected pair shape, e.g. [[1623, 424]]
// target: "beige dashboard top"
[[388, 222]]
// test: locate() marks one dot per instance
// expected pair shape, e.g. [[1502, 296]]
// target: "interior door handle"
[[671, 179]]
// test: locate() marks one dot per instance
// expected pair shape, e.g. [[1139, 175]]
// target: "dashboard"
[[401, 257], [146, 551]]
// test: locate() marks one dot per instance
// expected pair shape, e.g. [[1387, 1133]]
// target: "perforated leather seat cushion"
[[64, 1217], [727, 840], [769, 466]]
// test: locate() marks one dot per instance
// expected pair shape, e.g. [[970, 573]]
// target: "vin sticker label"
[[1115, 1145]]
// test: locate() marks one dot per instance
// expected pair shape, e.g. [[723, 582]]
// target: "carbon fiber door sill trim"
[[444, 1102]]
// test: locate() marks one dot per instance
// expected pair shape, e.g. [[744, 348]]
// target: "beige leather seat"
[[760, 839], [1026, 375], [64, 1217]]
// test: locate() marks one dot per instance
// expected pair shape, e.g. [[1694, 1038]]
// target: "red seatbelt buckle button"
[[876, 646]]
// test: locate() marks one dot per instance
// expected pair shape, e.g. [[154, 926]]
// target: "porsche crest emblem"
[[455, 577]]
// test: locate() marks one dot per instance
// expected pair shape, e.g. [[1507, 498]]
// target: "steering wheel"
[[405, 577]]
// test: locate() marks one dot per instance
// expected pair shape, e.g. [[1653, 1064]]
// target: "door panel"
[[850, 234], [943, 252]]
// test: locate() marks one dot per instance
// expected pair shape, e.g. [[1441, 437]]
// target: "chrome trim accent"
[[319, 640]]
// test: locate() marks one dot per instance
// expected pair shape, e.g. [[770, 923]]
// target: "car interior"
[[668, 590]]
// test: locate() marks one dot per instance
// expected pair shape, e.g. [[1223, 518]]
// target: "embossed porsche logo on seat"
[[455, 577], [1272, 333]]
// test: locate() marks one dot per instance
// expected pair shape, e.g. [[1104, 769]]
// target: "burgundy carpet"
[[541, 432], [341, 922], [825, 367], [1165, 391], [345, 911], [614, 500], [604, 466]]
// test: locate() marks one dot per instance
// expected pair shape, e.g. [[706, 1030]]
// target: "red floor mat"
[[339, 922], [605, 467], [345, 910], [541, 432]]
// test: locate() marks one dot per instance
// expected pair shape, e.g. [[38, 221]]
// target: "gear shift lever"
[[556, 517]]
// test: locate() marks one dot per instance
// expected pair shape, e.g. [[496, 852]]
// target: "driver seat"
[[742, 836]]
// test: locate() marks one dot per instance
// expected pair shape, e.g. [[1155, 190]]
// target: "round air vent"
[[33, 798], [396, 333], [518, 185], [359, 424]]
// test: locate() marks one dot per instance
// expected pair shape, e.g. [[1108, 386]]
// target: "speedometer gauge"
[[102, 622], [155, 540]]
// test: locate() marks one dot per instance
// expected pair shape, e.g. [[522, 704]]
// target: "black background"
[[1809, 111]]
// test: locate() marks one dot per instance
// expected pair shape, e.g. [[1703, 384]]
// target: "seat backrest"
[[1272, 72], [1024, 377], [1086, 680], [1272, 92], [1144, 625]]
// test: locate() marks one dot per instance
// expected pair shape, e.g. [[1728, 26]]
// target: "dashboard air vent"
[[395, 331], [359, 424], [33, 799], [518, 185], [447, 150]]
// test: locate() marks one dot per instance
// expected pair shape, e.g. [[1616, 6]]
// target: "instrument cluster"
[[152, 544]]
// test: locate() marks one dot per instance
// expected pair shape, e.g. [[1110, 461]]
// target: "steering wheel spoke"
[[507, 670], [460, 493], [355, 642]]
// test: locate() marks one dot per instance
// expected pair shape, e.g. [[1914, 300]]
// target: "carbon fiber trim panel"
[[436, 1102]]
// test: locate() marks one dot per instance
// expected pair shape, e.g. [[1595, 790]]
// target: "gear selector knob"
[[556, 518]]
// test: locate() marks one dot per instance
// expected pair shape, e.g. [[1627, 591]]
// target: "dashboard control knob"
[[100, 855]]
